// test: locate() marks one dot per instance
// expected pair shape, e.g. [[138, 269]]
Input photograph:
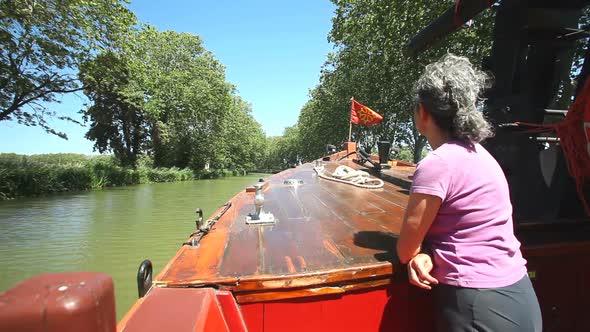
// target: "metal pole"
[[350, 121], [450, 21]]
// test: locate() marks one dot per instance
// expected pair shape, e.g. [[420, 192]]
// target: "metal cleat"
[[260, 217]]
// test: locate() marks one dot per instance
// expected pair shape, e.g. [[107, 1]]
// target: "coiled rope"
[[349, 175]]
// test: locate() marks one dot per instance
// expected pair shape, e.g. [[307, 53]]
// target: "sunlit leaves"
[[42, 42], [369, 64], [177, 105], [116, 115]]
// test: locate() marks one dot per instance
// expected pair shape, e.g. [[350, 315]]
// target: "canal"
[[109, 230]]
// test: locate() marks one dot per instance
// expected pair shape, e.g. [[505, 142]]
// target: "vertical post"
[[351, 147], [350, 121]]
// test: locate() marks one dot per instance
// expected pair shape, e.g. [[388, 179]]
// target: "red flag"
[[361, 114]]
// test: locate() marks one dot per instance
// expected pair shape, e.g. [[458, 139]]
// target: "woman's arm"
[[420, 214]]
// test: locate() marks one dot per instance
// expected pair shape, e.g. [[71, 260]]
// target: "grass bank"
[[22, 175]]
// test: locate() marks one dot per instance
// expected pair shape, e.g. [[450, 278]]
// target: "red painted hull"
[[397, 307]]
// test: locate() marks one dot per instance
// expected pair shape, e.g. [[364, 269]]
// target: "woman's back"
[[459, 207], [472, 237]]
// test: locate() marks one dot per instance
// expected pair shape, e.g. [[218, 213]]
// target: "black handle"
[[144, 277]]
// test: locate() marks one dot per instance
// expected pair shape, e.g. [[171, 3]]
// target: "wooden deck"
[[329, 238]]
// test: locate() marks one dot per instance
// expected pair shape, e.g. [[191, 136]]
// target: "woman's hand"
[[419, 269]]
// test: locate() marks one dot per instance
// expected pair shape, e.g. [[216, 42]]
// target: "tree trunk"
[[419, 144], [157, 148]]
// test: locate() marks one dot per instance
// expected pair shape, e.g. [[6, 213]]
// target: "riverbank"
[[27, 176]]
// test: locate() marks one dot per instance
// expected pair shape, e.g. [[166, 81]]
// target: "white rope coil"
[[349, 175]]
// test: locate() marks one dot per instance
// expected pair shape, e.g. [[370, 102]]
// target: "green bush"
[[60, 158], [49, 173], [73, 178], [145, 161], [210, 174], [105, 172], [22, 177]]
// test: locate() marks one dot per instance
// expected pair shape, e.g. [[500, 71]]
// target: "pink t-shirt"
[[472, 237]]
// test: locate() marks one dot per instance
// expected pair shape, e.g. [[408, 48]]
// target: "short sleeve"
[[432, 177]]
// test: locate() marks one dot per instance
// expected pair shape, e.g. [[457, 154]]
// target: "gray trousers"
[[503, 309]]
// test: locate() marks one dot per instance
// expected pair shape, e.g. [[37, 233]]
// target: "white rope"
[[349, 175]]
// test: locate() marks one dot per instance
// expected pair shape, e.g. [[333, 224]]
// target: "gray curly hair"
[[449, 89]]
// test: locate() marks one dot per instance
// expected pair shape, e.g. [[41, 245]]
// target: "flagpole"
[[350, 122]]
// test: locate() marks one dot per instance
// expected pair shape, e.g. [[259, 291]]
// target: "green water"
[[110, 230]]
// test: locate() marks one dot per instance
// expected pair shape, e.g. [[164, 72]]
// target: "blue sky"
[[272, 50]]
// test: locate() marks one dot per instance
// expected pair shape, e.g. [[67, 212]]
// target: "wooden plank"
[[242, 253], [356, 221], [278, 247], [306, 229], [292, 245], [355, 272], [309, 291], [202, 263], [344, 208]]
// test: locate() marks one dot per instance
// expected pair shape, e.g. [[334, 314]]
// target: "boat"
[[305, 250]]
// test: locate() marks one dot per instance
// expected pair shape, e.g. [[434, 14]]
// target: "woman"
[[457, 232]]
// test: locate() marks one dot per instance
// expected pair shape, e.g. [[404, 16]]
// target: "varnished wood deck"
[[330, 238]]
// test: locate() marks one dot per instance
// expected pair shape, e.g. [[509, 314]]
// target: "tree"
[[243, 139], [42, 43], [285, 151], [116, 115], [187, 99], [369, 64], [164, 94]]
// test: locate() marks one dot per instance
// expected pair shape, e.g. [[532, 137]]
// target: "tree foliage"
[[369, 64], [284, 151], [42, 43], [244, 140], [161, 93], [187, 98], [117, 119], [165, 95]]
